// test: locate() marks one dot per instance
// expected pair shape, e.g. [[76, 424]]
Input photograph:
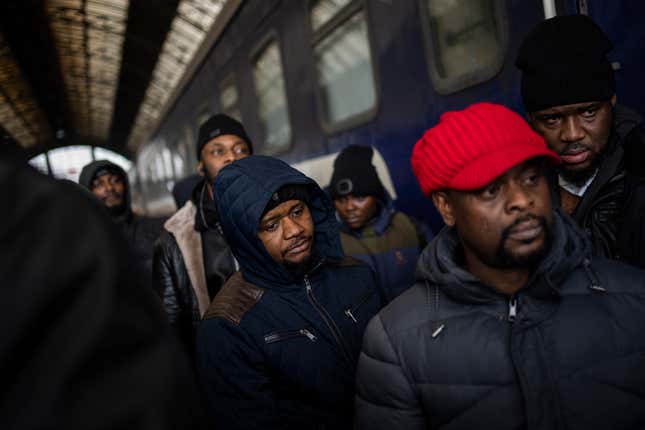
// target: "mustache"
[[297, 242], [528, 217], [576, 146]]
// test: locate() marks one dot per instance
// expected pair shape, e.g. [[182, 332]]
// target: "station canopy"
[[100, 73]]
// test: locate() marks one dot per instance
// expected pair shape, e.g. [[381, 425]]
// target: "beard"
[[299, 269], [506, 258]]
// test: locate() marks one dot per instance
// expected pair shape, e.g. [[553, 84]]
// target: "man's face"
[[220, 152], [109, 188], [578, 133], [356, 211], [505, 224], [287, 233]]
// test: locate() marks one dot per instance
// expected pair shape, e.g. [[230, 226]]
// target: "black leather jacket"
[[184, 279], [611, 210]]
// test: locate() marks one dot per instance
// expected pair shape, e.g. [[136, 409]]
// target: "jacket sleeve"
[[385, 399], [234, 379], [165, 278]]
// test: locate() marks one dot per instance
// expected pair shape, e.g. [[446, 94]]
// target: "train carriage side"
[[308, 78]]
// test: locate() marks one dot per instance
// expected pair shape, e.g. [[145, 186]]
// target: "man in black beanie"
[[192, 259], [371, 229], [569, 92]]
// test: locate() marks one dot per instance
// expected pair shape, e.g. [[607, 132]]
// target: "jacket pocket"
[[352, 311], [279, 336]]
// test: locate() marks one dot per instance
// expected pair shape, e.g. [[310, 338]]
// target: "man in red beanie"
[[512, 323]]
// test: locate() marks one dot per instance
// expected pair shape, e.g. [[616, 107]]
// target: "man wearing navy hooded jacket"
[[279, 344]]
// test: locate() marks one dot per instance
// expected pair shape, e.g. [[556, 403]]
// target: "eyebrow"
[[569, 111]]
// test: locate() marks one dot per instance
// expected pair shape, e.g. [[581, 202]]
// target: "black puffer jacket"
[[612, 209], [186, 275], [139, 231], [449, 354]]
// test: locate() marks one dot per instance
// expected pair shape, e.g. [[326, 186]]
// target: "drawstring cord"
[[434, 309], [595, 282]]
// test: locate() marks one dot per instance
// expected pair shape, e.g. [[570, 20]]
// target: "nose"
[[229, 157], [571, 130], [291, 228], [518, 198]]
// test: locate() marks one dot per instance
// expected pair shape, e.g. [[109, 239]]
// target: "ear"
[[200, 168], [443, 204], [613, 100]]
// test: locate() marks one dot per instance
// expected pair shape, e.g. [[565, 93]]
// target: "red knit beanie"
[[468, 149]]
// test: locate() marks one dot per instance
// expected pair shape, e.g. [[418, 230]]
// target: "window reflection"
[[272, 106], [345, 78], [466, 40]]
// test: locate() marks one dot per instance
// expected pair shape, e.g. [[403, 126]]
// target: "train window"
[[229, 99], [346, 84], [272, 99], [466, 40], [68, 161]]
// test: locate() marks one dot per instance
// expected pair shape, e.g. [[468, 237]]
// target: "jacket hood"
[[87, 176], [438, 264], [242, 191]]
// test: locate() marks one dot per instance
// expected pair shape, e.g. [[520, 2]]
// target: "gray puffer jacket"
[[566, 352]]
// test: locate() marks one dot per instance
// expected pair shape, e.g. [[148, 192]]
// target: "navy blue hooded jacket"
[[274, 350]]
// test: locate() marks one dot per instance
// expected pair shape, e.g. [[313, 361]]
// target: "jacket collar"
[[439, 264]]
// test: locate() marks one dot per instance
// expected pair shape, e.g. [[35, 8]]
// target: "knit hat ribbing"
[[563, 61], [355, 174], [219, 125], [468, 149]]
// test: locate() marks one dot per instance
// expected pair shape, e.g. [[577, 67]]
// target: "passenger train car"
[[308, 77]]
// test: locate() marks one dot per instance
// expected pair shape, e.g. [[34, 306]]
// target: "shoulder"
[[236, 298], [613, 278], [619, 277], [351, 266], [408, 310]]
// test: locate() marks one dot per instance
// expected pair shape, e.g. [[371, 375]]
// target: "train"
[[309, 77]]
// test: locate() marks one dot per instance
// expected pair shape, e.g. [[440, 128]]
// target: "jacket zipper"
[[288, 334], [327, 318], [350, 311], [512, 309]]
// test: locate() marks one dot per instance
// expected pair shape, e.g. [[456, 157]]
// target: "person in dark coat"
[[569, 92], [83, 344], [108, 182], [191, 257], [277, 348], [512, 324], [372, 230]]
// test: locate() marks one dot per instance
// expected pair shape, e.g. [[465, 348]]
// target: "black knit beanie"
[[563, 61], [286, 193], [354, 174], [218, 125]]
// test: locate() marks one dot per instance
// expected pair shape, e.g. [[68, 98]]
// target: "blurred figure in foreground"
[[83, 345]]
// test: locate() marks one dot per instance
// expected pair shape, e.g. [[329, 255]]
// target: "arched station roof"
[[98, 72]]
